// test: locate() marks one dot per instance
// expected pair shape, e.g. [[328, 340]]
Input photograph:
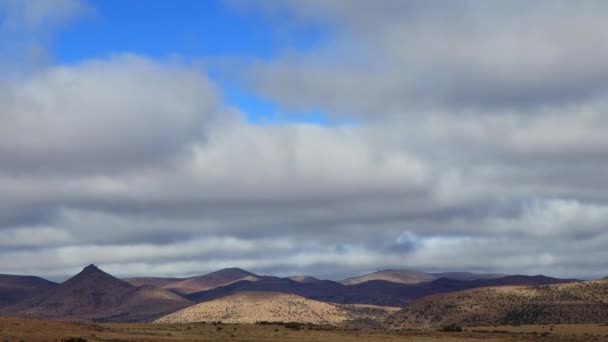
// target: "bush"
[[293, 325], [451, 328]]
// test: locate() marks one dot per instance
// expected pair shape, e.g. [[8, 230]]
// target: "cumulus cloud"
[[475, 143]]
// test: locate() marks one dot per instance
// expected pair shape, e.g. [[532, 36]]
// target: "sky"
[[322, 137]]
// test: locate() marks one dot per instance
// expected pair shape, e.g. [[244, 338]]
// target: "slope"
[[375, 292], [209, 281], [95, 295], [569, 303], [15, 288], [251, 307]]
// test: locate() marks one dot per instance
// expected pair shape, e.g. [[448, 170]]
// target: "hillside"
[[374, 292], [469, 275], [15, 288], [395, 276], [209, 281], [251, 307], [154, 281], [95, 295], [416, 277], [568, 303], [304, 279]]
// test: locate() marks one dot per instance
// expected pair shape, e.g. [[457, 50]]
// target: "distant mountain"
[[15, 288], [251, 307], [395, 276], [95, 295], [416, 277], [304, 279], [469, 275], [209, 281], [567, 303], [375, 292], [154, 281]]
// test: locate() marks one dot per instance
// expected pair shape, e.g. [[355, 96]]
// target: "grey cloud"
[[388, 56], [136, 164]]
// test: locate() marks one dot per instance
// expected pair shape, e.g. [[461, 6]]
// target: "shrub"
[[451, 328], [293, 325], [74, 339]]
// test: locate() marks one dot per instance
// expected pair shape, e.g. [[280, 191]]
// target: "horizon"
[[63, 279], [303, 137]]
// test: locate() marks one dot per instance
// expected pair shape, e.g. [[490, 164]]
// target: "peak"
[[91, 270], [233, 270]]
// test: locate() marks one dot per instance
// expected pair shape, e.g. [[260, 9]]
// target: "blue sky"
[[194, 31]]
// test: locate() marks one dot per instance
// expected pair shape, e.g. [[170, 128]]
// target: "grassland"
[[15, 329]]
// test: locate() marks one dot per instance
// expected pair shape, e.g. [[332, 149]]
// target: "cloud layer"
[[475, 141]]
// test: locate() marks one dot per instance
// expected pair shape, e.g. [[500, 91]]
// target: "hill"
[[374, 292], [395, 276], [15, 288], [154, 281], [416, 277], [567, 303], [469, 275], [95, 295], [209, 281], [304, 279], [251, 307]]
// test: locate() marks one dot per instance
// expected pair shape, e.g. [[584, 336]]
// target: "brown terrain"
[[416, 277], [373, 292], [95, 295], [304, 279], [30, 330], [251, 307], [154, 281], [583, 302], [14, 288], [394, 276], [210, 281]]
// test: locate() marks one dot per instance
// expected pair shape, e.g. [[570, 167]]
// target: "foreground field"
[[14, 329]]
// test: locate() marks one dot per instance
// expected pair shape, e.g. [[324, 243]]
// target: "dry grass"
[[15, 329], [251, 307], [584, 302]]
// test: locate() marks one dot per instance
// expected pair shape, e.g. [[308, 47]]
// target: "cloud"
[[26, 32], [414, 55], [478, 145]]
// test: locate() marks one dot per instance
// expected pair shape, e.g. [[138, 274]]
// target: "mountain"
[[416, 277], [395, 276], [304, 279], [251, 307], [566, 303], [15, 288], [374, 292], [154, 281], [469, 275], [95, 295], [209, 281]]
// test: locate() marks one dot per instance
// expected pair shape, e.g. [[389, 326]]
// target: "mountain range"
[[97, 296]]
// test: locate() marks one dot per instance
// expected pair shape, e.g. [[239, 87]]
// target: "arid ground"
[[15, 329]]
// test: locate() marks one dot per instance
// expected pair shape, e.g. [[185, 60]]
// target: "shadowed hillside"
[[95, 295], [416, 277], [154, 281], [576, 302], [209, 281], [375, 292], [15, 288]]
